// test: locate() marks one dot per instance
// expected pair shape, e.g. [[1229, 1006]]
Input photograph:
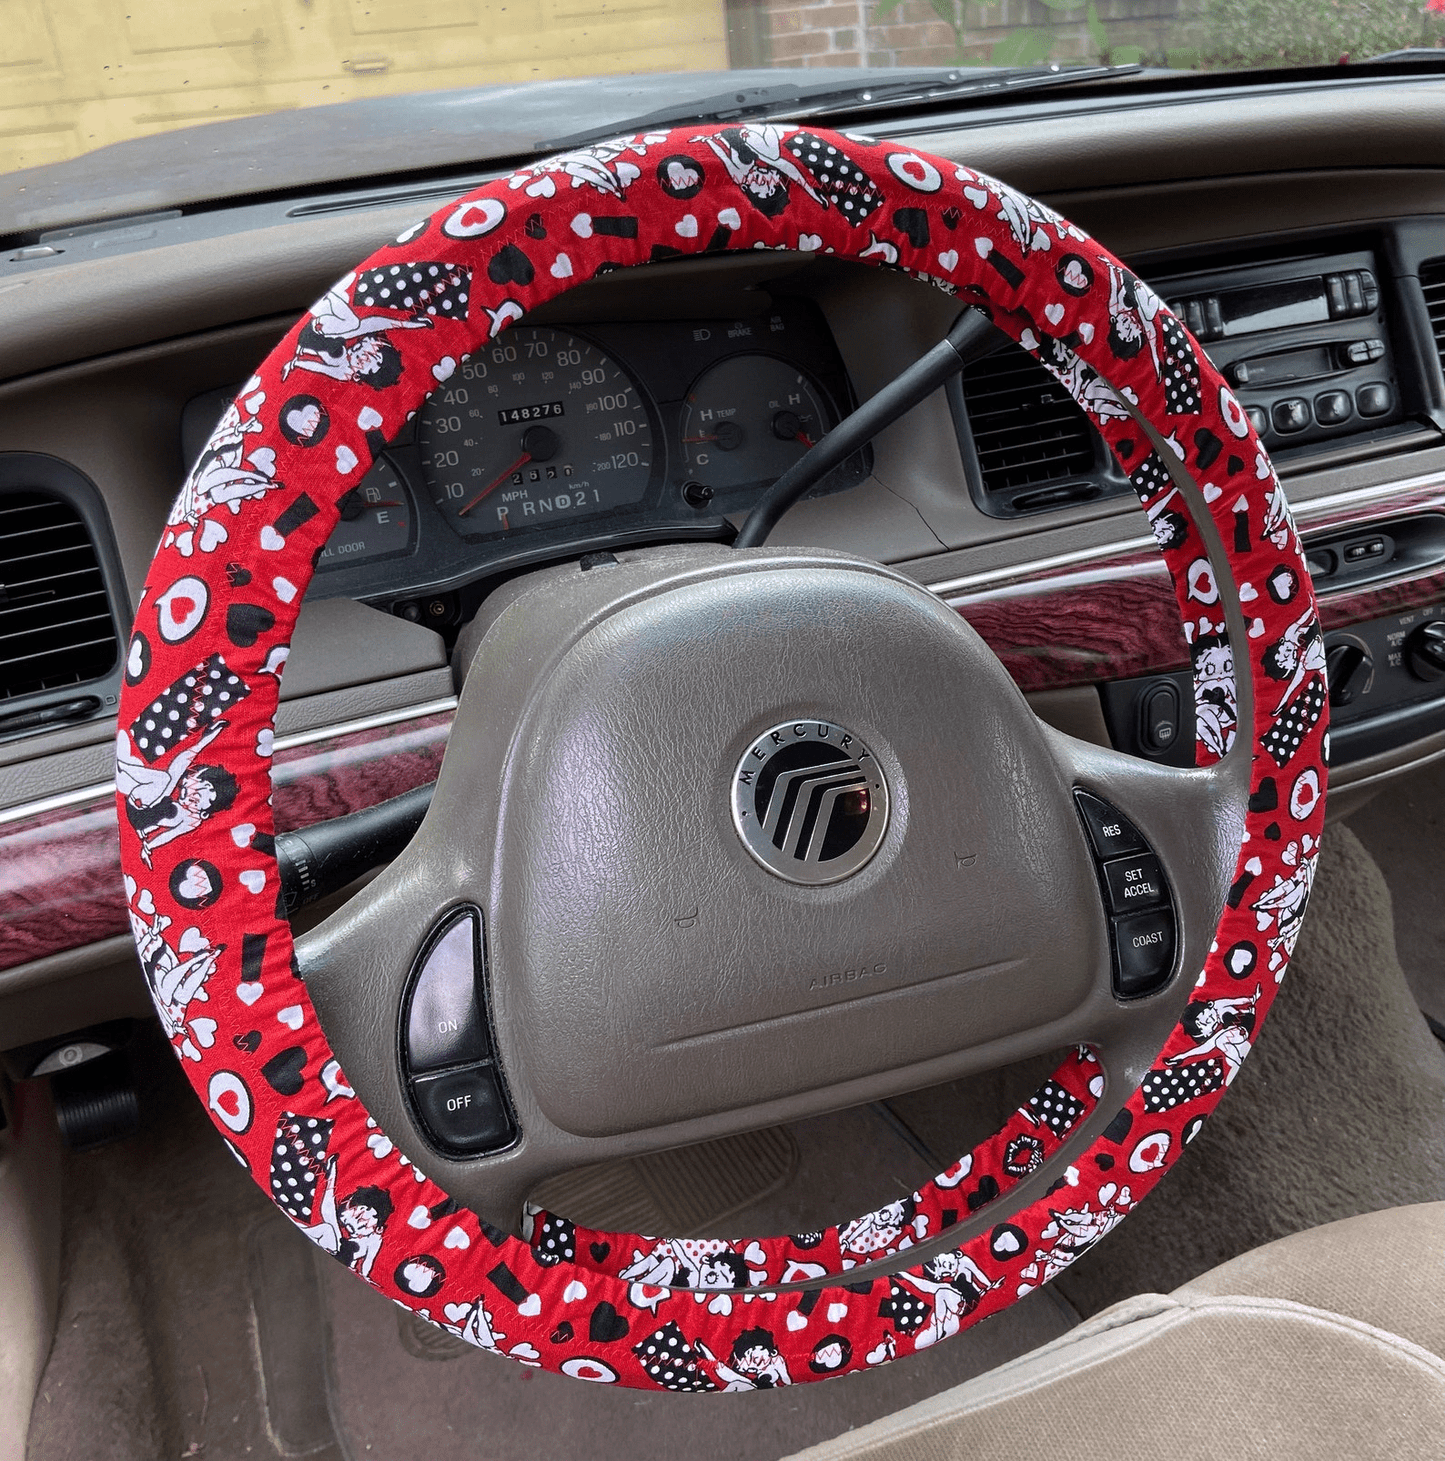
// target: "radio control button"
[[1333, 407], [1374, 399], [1213, 319], [1354, 294], [1194, 316], [1335, 292], [1292, 415], [1370, 288], [1364, 352], [1257, 419]]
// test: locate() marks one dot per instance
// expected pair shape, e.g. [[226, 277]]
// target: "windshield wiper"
[[755, 103]]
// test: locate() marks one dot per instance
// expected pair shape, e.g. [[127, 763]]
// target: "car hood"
[[376, 139]]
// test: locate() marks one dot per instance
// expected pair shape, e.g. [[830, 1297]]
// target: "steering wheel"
[[722, 838]]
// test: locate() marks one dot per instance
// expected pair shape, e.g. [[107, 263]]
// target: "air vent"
[[56, 626], [1432, 281], [1034, 448]]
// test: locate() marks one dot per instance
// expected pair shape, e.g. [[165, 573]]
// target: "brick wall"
[[845, 32]]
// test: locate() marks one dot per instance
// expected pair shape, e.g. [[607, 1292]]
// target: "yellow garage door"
[[77, 74]]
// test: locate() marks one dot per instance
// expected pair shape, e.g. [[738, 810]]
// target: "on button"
[[443, 1023]]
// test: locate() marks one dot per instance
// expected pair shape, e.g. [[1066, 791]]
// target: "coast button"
[[1143, 952]]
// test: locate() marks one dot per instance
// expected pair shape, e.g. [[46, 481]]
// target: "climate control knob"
[[1349, 669], [1425, 651]]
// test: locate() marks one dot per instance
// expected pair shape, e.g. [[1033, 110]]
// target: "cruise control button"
[[1374, 399], [464, 1110], [1110, 833], [1143, 952], [444, 1024], [1134, 882]]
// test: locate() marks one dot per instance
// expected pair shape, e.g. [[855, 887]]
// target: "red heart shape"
[[229, 1102], [180, 608], [472, 217]]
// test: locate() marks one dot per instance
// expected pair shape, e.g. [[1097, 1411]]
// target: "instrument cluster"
[[561, 439]]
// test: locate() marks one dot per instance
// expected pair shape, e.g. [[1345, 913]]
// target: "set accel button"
[[1134, 883]]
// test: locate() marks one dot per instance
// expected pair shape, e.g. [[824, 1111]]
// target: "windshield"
[[80, 78]]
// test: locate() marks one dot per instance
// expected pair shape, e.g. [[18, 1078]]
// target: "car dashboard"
[[1298, 231]]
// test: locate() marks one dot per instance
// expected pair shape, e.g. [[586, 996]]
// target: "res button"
[[1134, 883], [1110, 833]]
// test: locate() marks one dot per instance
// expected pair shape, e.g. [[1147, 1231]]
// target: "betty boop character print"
[[606, 167], [1298, 652], [702, 1264], [1072, 1231], [1283, 906], [1279, 528], [752, 1364], [1032, 225], [339, 343], [758, 161], [351, 1231], [223, 475], [956, 1284], [1139, 321], [1215, 714], [176, 975], [166, 802], [895, 1226], [1219, 1025]]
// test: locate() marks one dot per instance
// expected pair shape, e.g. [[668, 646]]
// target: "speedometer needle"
[[496, 482]]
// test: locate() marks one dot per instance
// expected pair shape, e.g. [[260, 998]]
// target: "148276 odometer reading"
[[536, 426]]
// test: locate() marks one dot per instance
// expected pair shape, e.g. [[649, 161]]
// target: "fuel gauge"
[[748, 419], [376, 518]]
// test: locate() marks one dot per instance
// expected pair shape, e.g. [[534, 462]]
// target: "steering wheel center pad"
[[201, 686]]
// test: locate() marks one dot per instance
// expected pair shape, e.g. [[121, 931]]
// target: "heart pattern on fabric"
[[657, 1312]]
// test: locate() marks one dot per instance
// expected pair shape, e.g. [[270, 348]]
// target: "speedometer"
[[537, 428]]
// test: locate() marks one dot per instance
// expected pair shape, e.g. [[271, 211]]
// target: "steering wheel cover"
[[211, 636]]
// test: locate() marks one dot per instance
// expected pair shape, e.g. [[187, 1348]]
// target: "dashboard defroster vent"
[[1432, 281], [56, 624]]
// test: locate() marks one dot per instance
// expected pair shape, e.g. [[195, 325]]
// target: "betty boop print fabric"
[[211, 639]]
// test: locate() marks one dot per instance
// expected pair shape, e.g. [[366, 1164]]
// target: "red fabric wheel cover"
[[201, 681]]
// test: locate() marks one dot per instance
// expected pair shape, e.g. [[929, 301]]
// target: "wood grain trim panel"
[[61, 883], [1115, 616]]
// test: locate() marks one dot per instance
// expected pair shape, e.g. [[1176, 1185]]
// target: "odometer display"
[[537, 428]]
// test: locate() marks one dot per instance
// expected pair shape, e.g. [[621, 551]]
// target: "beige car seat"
[[1327, 1345]]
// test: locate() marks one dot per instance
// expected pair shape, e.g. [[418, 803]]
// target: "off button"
[[1134, 883], [464, 1110]]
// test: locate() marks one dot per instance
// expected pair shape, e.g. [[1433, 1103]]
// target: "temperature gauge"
[[376, 519], [748, 419]]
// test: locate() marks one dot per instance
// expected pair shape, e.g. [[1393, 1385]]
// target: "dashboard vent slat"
[[56, 625], [1432, 281], [1027, 432]]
